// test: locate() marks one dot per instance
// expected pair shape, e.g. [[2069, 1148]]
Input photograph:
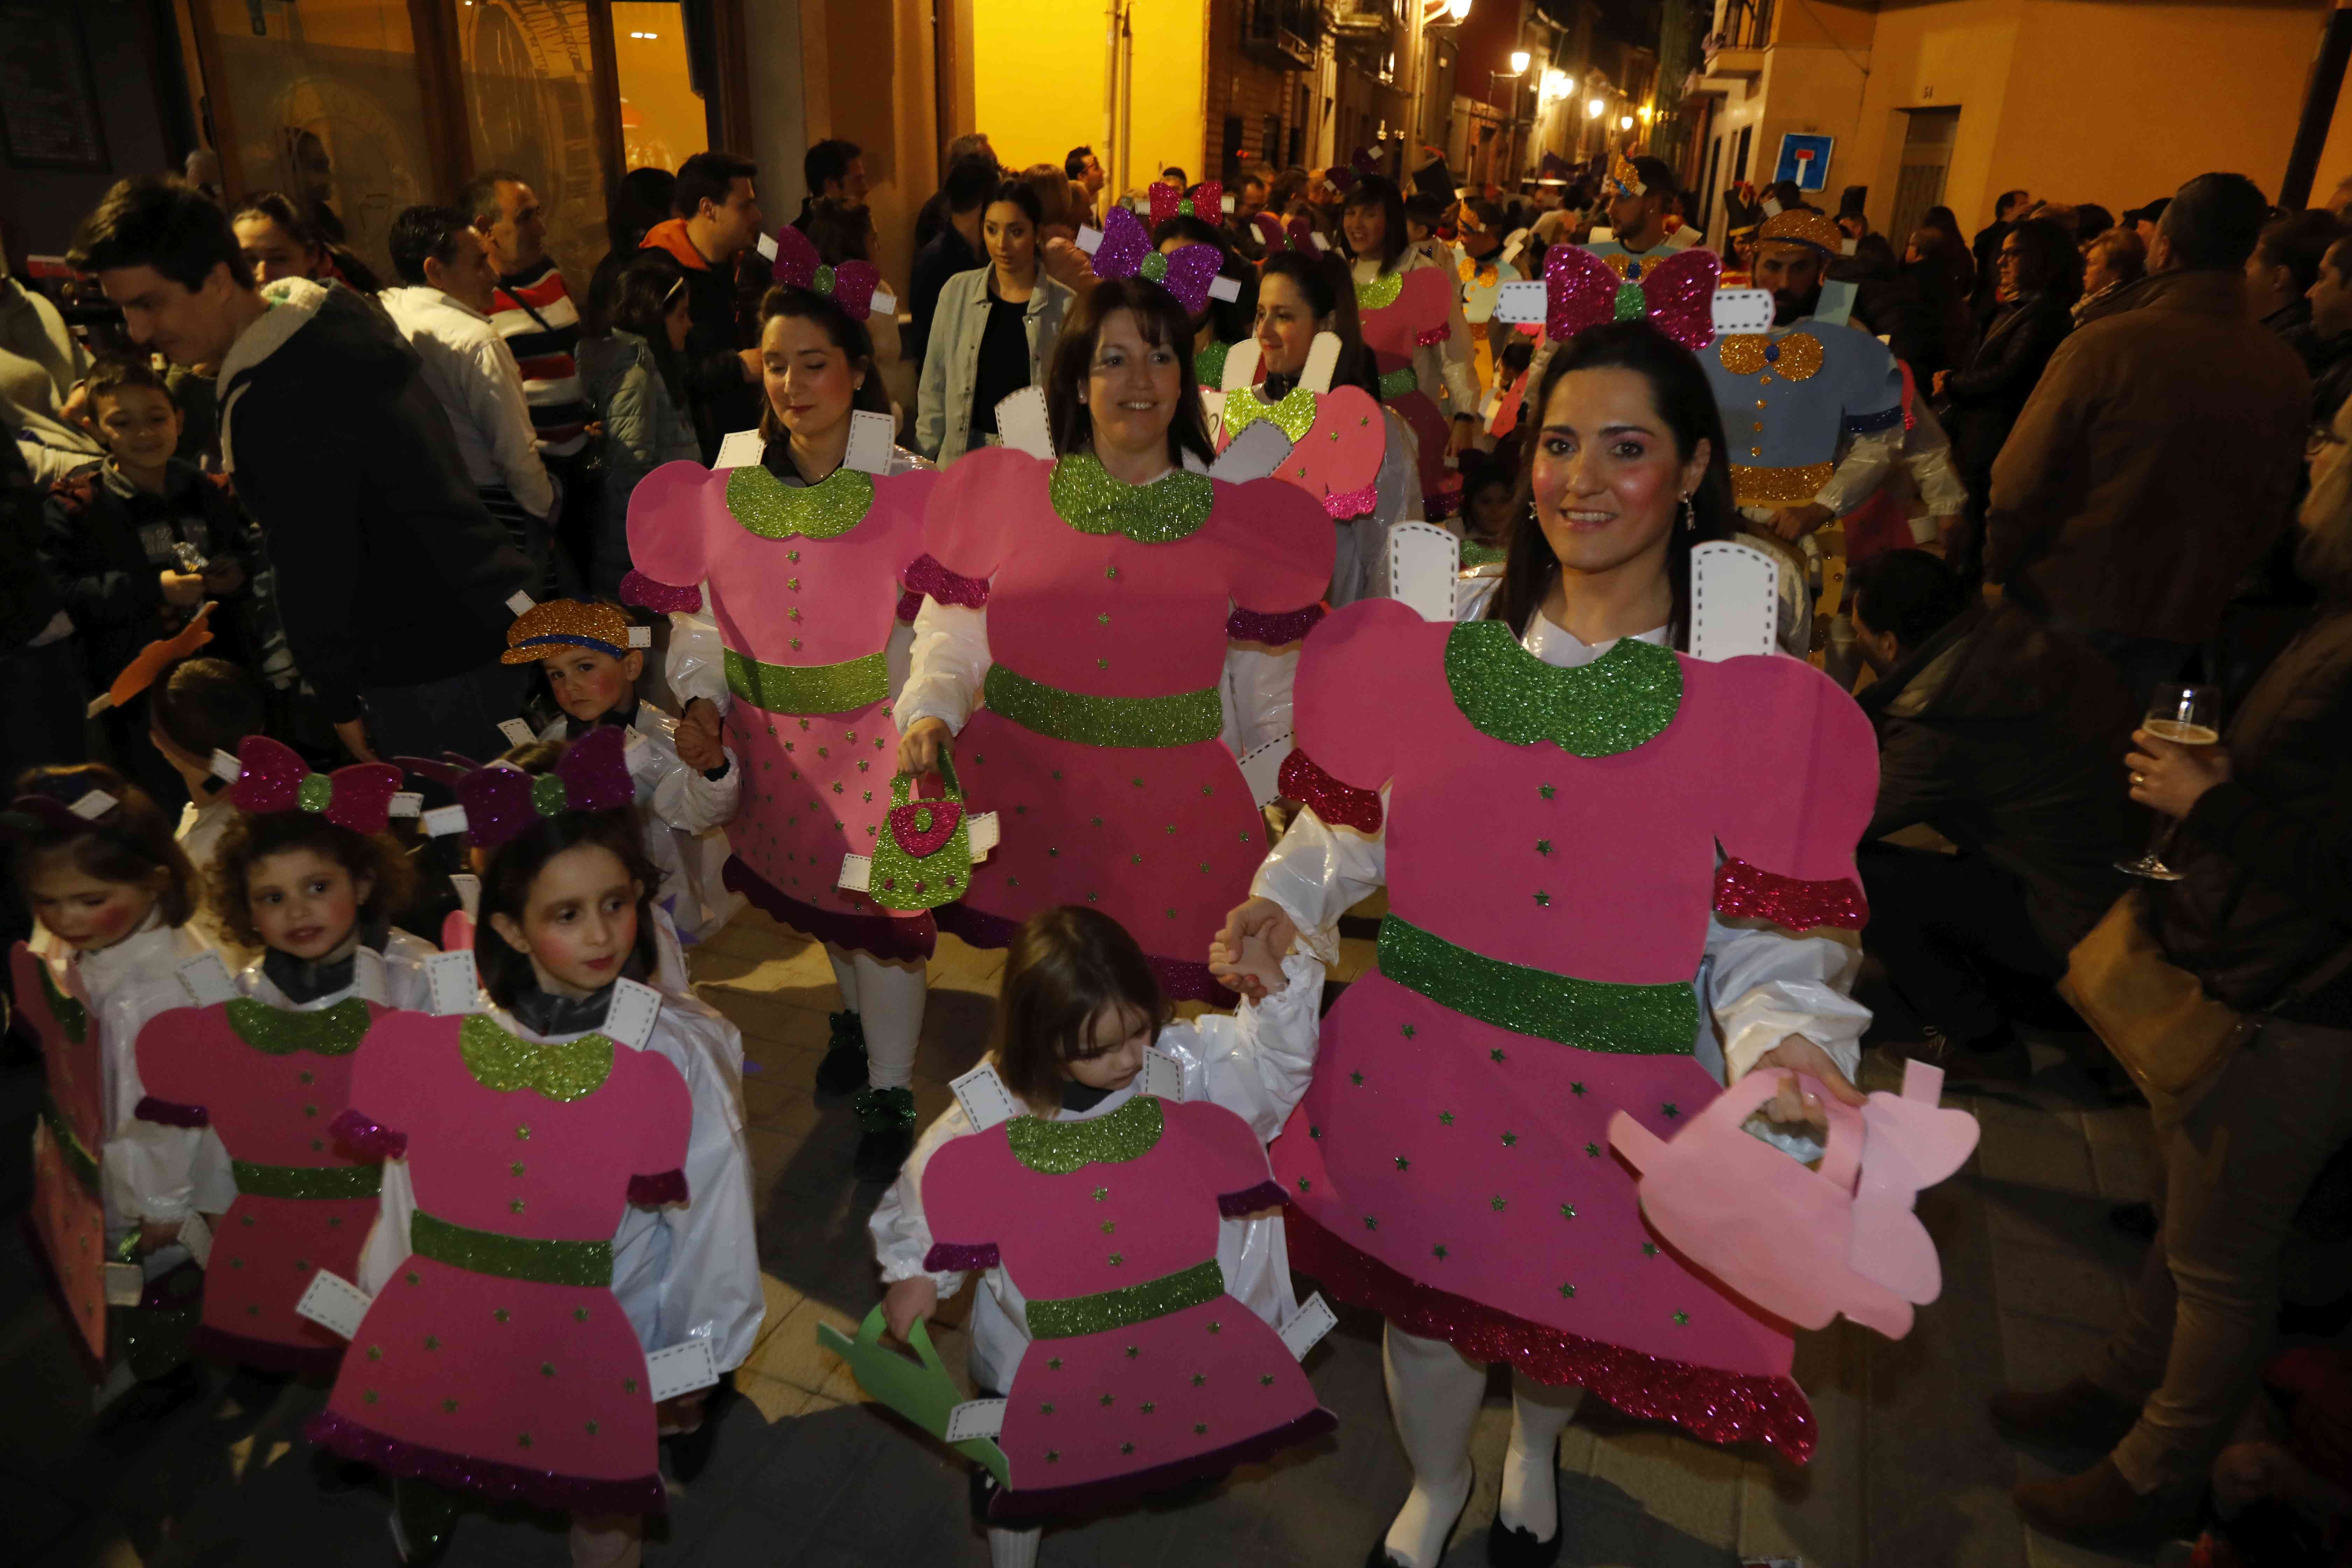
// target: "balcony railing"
[[1746, 24], [1282, 33]]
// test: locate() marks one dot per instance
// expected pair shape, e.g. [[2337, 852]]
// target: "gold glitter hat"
[[1814, 231], [569, 623], [1624, 178]]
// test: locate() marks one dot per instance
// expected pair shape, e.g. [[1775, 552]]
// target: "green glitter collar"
[[1292, 414], [1067, 1317], [564, 1072], [772, 508], [1621, 699], [334, 1031], [1168, 509], [1381, 292], [1058, 1147]]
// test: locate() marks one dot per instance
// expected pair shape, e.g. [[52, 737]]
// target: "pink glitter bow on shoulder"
[[1676, 293], [592, 775], [1126, 251], [1206, 202], [275, 778], [850, 285]]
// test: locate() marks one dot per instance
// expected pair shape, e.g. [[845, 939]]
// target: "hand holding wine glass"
[[2178, 759]]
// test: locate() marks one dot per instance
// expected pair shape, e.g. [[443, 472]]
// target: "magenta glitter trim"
[[368, 1140], [656, 1191], [1351, 503], [1301, 780], [484, 1477], [1094, 1497], [642, 591], [1267, 1195], [1751, 892], [884, 936], [927, 577], [170, 1113], [1274, 631], [1720, 1406], [954, 1258], [910, 605], [1430, 336], [312, 1363], [1182, 981]]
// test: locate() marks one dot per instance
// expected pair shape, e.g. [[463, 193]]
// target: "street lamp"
[[1645, 112], [1596, 108], [1624, 122], [1519, 59]]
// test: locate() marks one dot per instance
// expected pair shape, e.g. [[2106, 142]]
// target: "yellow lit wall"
[[1039, 87], [1937, 55]]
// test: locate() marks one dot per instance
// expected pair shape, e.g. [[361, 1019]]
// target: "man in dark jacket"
[[1986, 245], [2006, 737], [392, 580], [2158, 454], [718, 219], [955, 248]]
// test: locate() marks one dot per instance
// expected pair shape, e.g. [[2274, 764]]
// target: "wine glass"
[[2186, 716]]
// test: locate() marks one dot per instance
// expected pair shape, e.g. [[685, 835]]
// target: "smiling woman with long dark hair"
[[1416, 330]]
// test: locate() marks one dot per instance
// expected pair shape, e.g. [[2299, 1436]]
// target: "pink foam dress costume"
[[68, 1214], [802, 584], [1413, 325], [497, 1360], [1449, 1166], [1100, 654]]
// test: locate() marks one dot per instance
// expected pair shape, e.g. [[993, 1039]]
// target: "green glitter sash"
[[1086, 497], [807, 688], [772, 508], [1183, 719], [528, 1257], [564, 1072], [307, 1180], [1292, 414], [1068, 1316], [1590, 1014], [78, 1157], [1381, 292], [1399, 383], [334, 1031], [1058, 1147], [1613, 704], [70, 1015]]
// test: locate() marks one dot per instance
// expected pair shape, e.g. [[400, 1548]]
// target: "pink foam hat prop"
[[1799, 1244]]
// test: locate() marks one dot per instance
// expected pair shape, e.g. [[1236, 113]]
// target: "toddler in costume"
[[1093, 1170], [687, 786], [96, 861]]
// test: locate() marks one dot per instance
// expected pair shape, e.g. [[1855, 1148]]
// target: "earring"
[[1690, 516]]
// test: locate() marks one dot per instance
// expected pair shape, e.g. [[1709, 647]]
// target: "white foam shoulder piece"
[[741, 449], [1519, 301], [453, 987], [405, 803], [1684, 238], [518, 733], [1164, 1075], [679, 1369], [986, 1101], [1020, 421], [1600, 233], [1254, 454], [985, 833], [469, 888], [1262, 769], [1423, 562], [871, 437], [1322, 363], [1734, 601], [334, 1303], [226, 767], [1241, 366], [368, 982], [206, 980], [1742, 310], [976, 1419], [1308, 1326], [443, 821], [629, 1017]]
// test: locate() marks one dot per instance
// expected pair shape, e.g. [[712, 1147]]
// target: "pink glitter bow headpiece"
[[850, 285], [273, 777], [1676, 293], [500, 801], [1126, 251], [1206, 202]]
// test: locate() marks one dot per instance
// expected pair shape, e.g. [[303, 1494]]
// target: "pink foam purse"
[[1806, 1245]]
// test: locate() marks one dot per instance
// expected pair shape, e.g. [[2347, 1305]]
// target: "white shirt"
[[473, 374]]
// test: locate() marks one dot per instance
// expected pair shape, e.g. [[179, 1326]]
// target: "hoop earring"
[[1690, 516]]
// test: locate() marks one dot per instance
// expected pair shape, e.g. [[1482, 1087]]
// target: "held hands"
[[1795, 1054], [697, 739], [919, 745], [2170, 777], [154, 1234], [1256, 935], [908, 1302], [1793, 523]]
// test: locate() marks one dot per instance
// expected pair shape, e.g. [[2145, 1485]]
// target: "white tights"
[[889, 1001], [1434, 1394], [1013, 1548]]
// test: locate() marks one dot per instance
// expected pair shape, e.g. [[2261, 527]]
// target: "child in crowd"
[[688, 786], [1078, 1013], [640, 394], [1488, 487], [95, 859], [195, 708]]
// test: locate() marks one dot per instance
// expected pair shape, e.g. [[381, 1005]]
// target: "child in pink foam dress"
[[1412, 316]]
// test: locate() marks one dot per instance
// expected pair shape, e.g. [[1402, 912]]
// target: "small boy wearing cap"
[[592, 656]]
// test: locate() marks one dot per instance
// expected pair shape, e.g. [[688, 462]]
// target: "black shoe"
[[1514, 1548], [843, 1071], [689, 1452], [881, 1153], [2133, 1219]]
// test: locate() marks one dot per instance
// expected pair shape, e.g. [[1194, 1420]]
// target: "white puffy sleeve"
[[1256, 1062], [1318, 873], [695, 665], [1256, 689], [710, 1289], [1764, 984], [949, 661]]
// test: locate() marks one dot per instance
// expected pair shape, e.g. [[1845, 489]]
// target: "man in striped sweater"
[[532, 311]]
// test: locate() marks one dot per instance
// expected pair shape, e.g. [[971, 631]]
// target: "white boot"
[[1433, 1394], [889, 1001], [1013, 1548]]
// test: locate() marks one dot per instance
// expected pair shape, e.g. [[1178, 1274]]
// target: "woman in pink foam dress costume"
[[497, 1361], [1111, 611], [1411, 315]]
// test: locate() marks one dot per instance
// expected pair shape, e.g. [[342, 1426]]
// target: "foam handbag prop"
[[924, 856], [922, 1391], [1801, 1244]]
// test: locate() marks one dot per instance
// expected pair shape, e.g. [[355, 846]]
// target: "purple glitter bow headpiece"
[[1677, 294], [850, 285], [275, 778], [592, 775], [1126, 251]]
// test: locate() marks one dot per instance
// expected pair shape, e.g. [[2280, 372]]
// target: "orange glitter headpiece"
[[1814, 231], [569, 623], [1624, 178]]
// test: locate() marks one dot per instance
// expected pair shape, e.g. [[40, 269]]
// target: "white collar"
[[1563, 649], [136, 950]]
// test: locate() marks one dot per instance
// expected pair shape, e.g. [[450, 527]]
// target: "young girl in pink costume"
[[1544, 792], [784, 580], [97, 862], [1114, 1173], [314, 890], [501, 1356], [1412, 315], [1098, 605]]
